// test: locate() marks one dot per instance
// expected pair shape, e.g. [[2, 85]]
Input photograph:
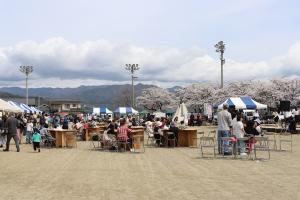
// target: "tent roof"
[[5, 106], [126, 110], [102, 110], [243, 103]]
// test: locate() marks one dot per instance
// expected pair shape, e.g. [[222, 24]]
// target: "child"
[[36, 138]]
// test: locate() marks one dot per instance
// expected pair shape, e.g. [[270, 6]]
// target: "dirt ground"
[[159, 173]]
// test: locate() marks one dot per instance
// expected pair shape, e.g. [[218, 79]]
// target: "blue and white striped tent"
[[35, 109], [16, 105], [126, 110], [101, 110], [26, 108], [243, 103]]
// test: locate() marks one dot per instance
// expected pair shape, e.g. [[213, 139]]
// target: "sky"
[[88, 42]]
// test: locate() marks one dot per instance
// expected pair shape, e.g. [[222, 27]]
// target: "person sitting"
[[257, 123], [123, 133], [43, 130], [112, 126], [250, 128], [134, 123]]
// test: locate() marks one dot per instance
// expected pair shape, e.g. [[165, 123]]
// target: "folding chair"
[[285, 137], [95, 139], [207, 142], [199, 134], [107, 141], [227, 146], [150, 136], [272, 138], [170, 137], [157, 138], [212, 133], [262, 144], [122, 142], [243, 147], [79, 133], [48, 140]]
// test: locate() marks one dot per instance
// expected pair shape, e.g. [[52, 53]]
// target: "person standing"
[[11, 124], [239, 132], [20, 127], [3, 131], [224, 127], [29, 131]]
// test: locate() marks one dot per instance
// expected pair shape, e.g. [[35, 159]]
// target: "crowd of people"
[[34, 126], [235, 124]]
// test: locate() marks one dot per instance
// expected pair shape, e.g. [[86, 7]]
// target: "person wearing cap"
[[224, 127]]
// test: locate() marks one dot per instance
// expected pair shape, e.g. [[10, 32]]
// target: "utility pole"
[[132, 68], [220, 48], [26, 70]]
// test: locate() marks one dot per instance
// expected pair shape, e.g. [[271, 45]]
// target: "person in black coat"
[[250, 128], [11, 124]]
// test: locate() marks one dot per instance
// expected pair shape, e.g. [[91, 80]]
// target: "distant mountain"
[[174, 89], [7, 95], [108, 95]]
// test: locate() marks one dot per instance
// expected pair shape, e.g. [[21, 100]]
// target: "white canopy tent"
[[181, 113], [159, 114], [5, 106], [101, 110], [126, 110]]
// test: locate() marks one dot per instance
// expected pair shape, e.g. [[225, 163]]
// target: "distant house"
[[64, 105]]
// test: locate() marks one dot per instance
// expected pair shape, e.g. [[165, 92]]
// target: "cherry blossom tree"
[[157, 99], [196, 95]]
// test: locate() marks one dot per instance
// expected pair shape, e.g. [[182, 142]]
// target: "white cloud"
[[59, 63]]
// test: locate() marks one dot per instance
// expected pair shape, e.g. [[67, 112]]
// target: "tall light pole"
[[132, 68], [220, 48], [26, 70]]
